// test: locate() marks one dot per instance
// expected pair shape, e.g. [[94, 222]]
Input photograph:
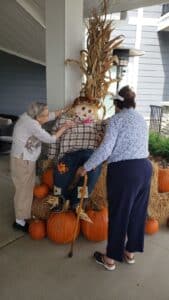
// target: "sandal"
[[100, 259], [129, 260]]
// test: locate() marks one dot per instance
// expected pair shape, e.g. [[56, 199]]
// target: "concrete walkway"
[[40, 270], [7, 234]]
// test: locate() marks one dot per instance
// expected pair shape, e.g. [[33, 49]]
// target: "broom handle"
[[79, 209]]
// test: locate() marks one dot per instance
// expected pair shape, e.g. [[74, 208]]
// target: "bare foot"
[[109, 260], [130, 255], [105, 261]]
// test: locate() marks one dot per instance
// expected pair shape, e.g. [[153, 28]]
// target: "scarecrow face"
[[86, 112]]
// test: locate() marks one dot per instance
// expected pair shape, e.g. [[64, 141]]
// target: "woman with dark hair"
[[129, 101], [125, 147]]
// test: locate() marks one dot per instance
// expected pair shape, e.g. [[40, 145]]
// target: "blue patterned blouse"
[[126, 138]]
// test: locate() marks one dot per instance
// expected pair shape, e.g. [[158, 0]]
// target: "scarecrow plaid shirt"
[[82, 136]]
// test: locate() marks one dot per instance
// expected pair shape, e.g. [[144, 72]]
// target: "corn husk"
[[96, 61]]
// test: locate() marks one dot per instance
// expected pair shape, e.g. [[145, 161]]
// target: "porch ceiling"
[[120, 5], [22, 24]]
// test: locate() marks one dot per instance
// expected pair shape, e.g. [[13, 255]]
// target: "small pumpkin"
[[40, 191], [47, 178], [151, 226], [37, 229], [61, 226], [98, 230], [163, 180]]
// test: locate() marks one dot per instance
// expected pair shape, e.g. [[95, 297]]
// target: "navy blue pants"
[[128, 187], [72, 161]]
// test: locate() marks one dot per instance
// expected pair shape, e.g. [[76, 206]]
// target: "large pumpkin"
[[96, 231], [163, 180], [151, 226], [61, 226], [47, 178], [37, 230], [40, 191]]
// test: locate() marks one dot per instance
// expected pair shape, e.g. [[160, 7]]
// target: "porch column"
[[64, 38]]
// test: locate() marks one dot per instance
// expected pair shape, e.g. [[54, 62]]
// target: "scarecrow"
[[79, 142], [73, 149]]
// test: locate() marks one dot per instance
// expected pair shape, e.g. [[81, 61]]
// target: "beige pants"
[[23, 176]]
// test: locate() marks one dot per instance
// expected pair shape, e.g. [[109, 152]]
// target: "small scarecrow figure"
[[73, 149]]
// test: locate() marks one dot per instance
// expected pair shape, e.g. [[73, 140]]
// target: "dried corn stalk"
[[97, 60]]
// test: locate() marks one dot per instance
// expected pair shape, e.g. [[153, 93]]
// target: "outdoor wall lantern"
[[123, 55]]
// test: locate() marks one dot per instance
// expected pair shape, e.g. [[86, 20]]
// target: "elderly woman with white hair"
[[26, 147]]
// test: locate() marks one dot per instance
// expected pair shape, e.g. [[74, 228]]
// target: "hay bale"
[[153, 207], [154, 179], [99, 194], [160, 208], [159, 202], [164, 208], [40, 209], [98, 197]]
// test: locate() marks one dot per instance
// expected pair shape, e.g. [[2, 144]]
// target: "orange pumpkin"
[[96, 231], [47, 178], [61, 226], [163, 180], [37, 230], [40, 191], [151, 226]]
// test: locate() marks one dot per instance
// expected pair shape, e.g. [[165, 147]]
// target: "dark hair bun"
[[129, 97]]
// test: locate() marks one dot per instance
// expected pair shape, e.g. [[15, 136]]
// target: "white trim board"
[[36, 61], [33, 11]]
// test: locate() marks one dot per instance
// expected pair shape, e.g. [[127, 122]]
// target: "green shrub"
[[159, 145]]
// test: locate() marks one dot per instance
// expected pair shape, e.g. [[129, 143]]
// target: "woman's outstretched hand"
[[81, 171], [59, 112], [65, 126], [69, 124]]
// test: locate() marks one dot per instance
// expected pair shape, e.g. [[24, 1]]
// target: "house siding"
[[21, 82], [153, 68], [153, 84]]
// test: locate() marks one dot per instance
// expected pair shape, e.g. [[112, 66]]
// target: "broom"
[[83, 191]]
